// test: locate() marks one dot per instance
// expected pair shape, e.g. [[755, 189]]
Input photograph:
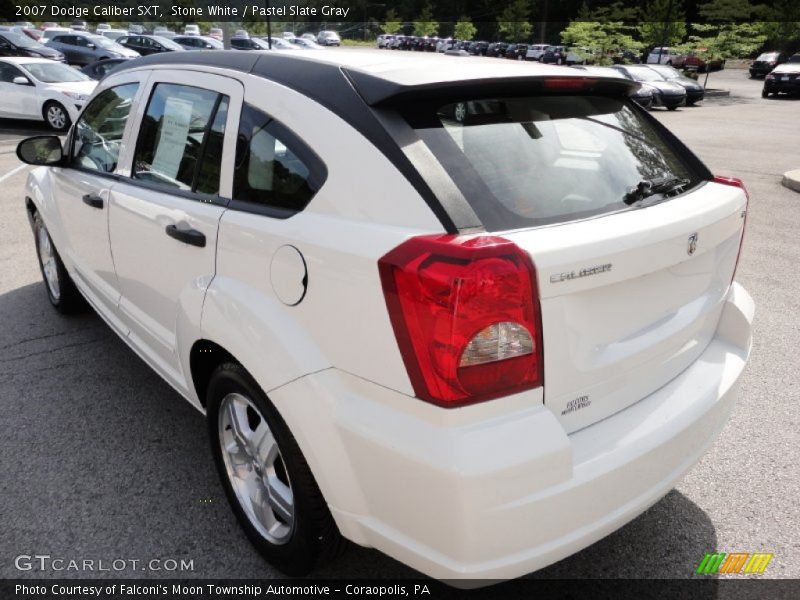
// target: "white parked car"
[[384, 39], [329, 38], [535, 51], [663, 56], [476, 346], [42, 90], [191, 30]]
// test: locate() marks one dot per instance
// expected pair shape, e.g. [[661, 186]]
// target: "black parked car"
[[478, 48], [517, 51], [785, 78], [667, 93], [497, 49], [555, 55], [14, 43], [766, 62], [99, 69], [198, 42], [407, 42], [694, 91], [149, 44]]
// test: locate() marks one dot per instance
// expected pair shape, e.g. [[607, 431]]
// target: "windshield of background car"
[[53, 72], [645, 74], [167, 43], [794, 59], [526, 162], [768, 56], [103, 42], [20, 39]]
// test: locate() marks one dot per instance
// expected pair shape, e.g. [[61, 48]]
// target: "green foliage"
[[605, 29], [464, 29], [663, 23], [393, 24], [424, 25], [514, 24]]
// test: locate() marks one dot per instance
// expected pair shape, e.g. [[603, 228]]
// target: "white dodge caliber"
[[477, 344]]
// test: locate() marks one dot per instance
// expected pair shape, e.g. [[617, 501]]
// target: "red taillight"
[[733, 181], [568, 83], [465, 312]]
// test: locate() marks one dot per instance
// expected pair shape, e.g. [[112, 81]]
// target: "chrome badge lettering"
[[559, 277]]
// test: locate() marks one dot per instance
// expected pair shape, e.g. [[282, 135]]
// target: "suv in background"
[[535, 51], [329, 38], [663, 56]]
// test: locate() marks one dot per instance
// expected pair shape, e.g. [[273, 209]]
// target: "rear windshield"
[[526, 162]]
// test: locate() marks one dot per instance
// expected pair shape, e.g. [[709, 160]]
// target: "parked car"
[[663, 56], [644, 96], [216, 33], [42, 90], [766, 62], [101, 27], [249, 43], [13, 43], [694, 91], [698, 60], [329, 38], [48, 33], [535, 51], [309, 36], [626, 57], [192, 29], [198, 42], [115, 34], [384, 40], [478, 48], [78, 25], [241, 33], [306, 44], [560, 55], [280, 43], [784, 78], [497, 49], [670, 95], [99, 69], [136, 29], [517, 51], [479, 384], [149, 44], [426, 44], [85, 48]]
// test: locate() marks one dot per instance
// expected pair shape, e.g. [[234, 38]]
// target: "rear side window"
[[274, 169], [526, 162], [180, 140]]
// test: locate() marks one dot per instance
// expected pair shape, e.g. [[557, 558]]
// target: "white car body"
[[51, 32], [27, 101], [663, 56], [329, 38], [642, 360], [535, 51]]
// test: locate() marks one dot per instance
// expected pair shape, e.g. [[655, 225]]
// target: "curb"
[[791, 179], [715, 93]]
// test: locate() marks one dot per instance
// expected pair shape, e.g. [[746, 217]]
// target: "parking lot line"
[[12, 172]]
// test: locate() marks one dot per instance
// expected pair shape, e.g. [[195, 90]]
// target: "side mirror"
[[91, 46], [20, 80], [41, 150]]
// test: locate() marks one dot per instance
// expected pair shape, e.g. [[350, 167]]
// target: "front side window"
[[180, 141], [98, 133], [273, 167], [9, 72], [525, 162]]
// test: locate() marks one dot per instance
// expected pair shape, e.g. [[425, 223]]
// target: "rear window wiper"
[[651, 187]]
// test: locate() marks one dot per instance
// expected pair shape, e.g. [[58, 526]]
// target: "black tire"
[[764, 94], [66, 299], [314, 538], [56, 116]]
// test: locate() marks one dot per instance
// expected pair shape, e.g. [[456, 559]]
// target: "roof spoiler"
[[377, 91]]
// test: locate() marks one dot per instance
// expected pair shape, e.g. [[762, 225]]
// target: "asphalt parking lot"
[[100, 459]]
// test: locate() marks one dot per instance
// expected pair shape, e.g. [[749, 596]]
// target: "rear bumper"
[[483, 493]]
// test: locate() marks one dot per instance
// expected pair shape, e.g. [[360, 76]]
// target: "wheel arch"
[[204, 357]]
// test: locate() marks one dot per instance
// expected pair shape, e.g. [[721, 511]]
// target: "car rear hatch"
[[634, 243]]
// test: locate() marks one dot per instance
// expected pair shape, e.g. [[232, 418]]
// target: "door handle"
[[93, 200], [187, 236]]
